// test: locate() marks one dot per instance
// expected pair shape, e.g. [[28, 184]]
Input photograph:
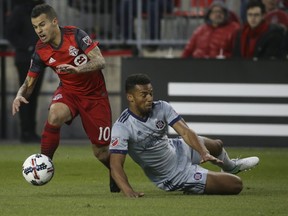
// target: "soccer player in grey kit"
[[171, 164]]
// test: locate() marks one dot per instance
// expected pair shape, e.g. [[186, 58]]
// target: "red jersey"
[[73, 49]]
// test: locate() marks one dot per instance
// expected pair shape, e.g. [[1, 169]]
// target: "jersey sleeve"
[[37, 66], [84, 41], [170, 114], [119, 139]]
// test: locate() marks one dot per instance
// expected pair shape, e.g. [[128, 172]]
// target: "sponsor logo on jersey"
[[73, 51], [87, 40], [57, 97], [115, 142], [80, 60], [51, 60], [197, 176], [160, 124]]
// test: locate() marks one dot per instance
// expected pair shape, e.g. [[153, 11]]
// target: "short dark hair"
[[136, 79], [256, 3], [43, 9]]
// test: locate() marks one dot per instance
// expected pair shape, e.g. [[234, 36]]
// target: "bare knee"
[[218, 147], [59, 113], [223, 184], [54, 119], [238, 185], [214, 146]]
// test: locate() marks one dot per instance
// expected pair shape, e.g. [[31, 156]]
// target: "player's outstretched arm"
[[23, 93], [191, 138], [96, 62], [120, 177]]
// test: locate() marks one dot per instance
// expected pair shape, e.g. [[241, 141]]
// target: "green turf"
[[80, 187]]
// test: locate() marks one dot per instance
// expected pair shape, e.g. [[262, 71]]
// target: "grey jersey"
[[147, 143]]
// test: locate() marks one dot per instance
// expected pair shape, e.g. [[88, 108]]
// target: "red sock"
[[50, 140]]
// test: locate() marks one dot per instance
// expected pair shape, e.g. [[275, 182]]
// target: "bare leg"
[[216, 149], [101, 152], [223, 184], [59, 113], [214, 146]]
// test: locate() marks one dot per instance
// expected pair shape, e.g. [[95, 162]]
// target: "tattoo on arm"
[[27, 88], [97, 61]]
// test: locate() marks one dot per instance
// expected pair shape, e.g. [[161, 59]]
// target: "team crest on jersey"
[[160, 124], [87, 40], [115, 142], [73, 51], [197, 176]]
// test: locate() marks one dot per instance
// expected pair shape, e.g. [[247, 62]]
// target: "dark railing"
[[127, 22]]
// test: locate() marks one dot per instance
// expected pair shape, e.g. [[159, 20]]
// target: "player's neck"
[[138, 114], [57, 39]]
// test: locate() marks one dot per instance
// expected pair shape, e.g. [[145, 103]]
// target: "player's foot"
[[113, 186], [244, 164]]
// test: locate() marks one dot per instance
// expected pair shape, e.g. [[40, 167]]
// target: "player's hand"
[[17, 103], [67, 68], [133, 194], [208, 157]]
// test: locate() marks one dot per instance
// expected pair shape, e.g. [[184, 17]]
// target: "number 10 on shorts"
[[104, 133]]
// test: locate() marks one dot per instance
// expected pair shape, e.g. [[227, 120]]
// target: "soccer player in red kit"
[[78, 62]]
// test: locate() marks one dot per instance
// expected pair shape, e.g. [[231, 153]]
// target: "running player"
[[78, 62], [171, 164]]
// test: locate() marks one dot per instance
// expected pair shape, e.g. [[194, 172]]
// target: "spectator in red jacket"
[[258, 39], [215, 38], [274, 14]]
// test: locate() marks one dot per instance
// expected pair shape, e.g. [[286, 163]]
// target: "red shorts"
[[95, 114]]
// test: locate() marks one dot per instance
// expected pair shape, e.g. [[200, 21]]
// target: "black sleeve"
[[83, 39], [37, 65]]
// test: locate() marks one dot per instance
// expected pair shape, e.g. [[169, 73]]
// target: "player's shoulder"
[[122, 124], [70, 30], [160, 104], [123, 118]]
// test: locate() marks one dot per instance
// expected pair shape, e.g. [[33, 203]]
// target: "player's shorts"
[[193, 183], [188, 177], [95, 114]]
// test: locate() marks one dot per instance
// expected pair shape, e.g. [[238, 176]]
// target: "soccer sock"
[[228, 164], [50, 140]]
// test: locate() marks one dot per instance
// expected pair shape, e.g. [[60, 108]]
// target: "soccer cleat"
[[244, 164]]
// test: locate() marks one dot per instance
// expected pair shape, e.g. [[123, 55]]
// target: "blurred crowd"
[[259, 33], [245, 28]]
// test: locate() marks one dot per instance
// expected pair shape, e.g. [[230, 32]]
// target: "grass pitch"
[[80, 187]]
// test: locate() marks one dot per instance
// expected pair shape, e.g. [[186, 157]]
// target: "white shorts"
[[189, 177], [193, 183]]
